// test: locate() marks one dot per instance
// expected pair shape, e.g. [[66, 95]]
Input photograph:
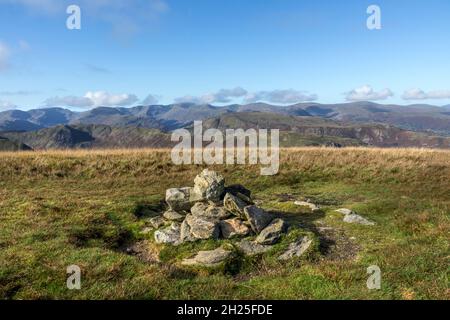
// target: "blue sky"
[[222, 51]]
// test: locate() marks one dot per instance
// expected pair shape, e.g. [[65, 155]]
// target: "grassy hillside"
[[85, 207]]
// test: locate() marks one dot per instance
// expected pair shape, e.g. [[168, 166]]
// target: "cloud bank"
[[289, 96], [367, 93], [92, 99], [419, 94]]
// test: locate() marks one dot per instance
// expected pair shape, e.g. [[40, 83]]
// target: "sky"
[[133, 52]]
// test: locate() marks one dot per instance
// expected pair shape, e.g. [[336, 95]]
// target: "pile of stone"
[[210, 210]]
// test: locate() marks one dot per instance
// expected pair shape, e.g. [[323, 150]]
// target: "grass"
[[59, 208]]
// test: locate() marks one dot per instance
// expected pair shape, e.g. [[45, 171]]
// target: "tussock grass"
[[59, 208]]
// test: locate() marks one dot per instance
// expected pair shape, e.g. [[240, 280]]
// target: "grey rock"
[[169, 235], [344, 211], [272, 233], [251, 248], [210, 211], [237, 188], [235, 205], [233, 228], [157, 222], [211, 258], [355, 218], [352, 217], [209, 185], [173, 216], [296, 249], [258, 218], [310, 205], [181, 199], [196, 228]]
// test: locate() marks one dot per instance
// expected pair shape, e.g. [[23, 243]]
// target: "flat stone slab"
[[310, 205], [251, 248], [355, 218], [211, 258], [352, 217], [296, 249], [210, 211]]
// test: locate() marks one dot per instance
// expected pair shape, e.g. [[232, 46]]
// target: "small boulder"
[[173, 216], [209, 185], [181, 199], [296, 249], [235, 205], [210, 211], [251, 248], [344, 211], [237, 188], [310, 205], [169, 235], [352, 217], [211, 258], [272, 233], [258, 218], [355, 218], [157, 222], [240, 192], [196, 228], [233, 228]]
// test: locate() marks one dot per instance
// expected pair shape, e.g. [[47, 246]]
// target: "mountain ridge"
[[415, 117]]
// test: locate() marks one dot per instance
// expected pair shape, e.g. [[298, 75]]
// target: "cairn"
[[211, 210]]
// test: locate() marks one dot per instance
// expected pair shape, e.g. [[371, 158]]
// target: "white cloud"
[[366, 93], [150, 100], [221, 96], [289, 96], [93, 99], [419, 94], [7, 105], [4, 56]]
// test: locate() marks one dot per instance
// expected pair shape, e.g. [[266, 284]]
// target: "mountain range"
[[166, 118], [306, 124], [295, 131]]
